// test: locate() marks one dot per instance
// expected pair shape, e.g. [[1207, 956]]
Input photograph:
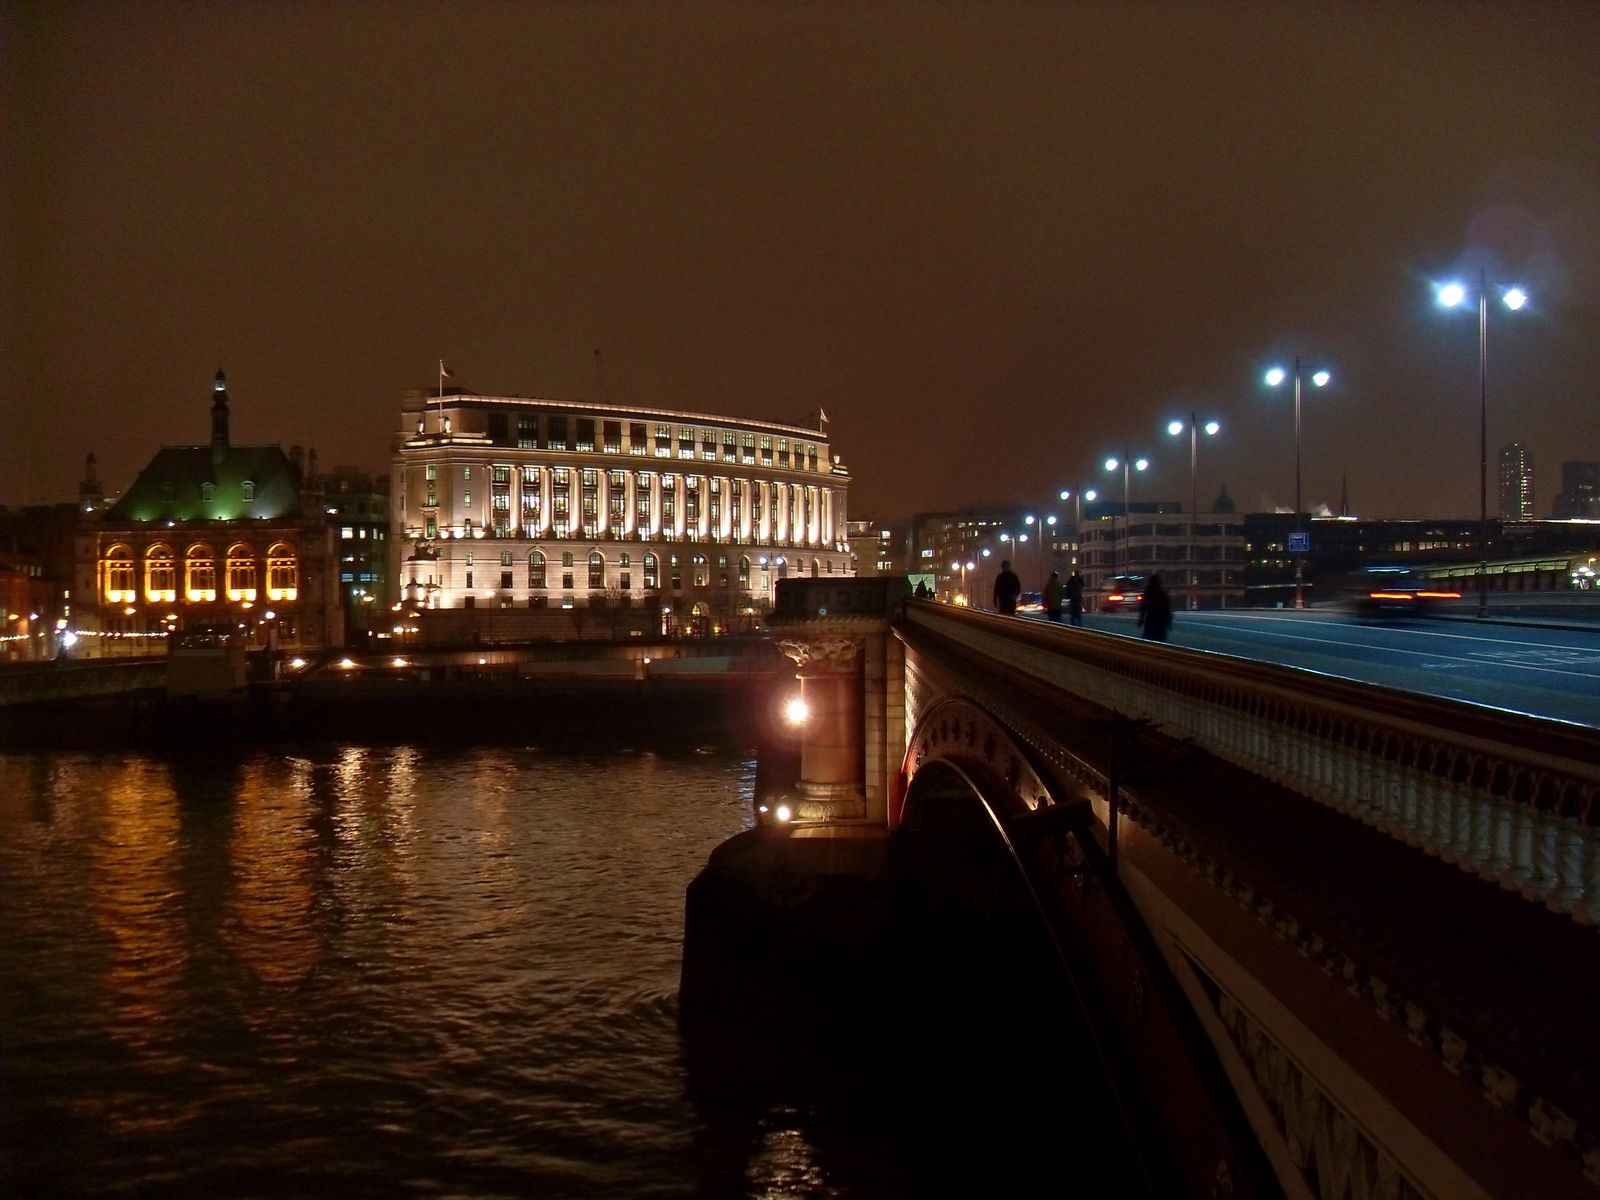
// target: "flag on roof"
[[444, 371]]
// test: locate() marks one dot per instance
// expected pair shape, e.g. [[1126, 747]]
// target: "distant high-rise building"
[[1580, 491], [1516, 483]]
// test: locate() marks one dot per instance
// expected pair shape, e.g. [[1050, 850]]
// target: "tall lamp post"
[[1298, 547], [1453, 295], [963, 566], [1137, 464], [1080, 495], [1210, 428], [1045, 524]]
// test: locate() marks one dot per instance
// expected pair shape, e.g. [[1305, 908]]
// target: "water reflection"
[[374, 972]]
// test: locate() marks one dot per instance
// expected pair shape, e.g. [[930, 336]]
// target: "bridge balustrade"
[[1511, 798]]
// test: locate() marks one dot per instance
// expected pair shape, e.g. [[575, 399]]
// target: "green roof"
[[175, 486]]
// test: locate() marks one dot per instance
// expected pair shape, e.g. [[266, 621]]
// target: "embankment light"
[[796, 711]]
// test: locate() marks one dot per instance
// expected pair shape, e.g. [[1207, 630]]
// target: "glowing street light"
[[1454, 295], [1298, 547], [963, 566], [1079, 494], [1137, 464], [1194, 427], [1043, 535]]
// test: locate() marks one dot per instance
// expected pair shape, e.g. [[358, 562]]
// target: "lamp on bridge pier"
[[1194, 427], [1454, 295], [1298, 547]]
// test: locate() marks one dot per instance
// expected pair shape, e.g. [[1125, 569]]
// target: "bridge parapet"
[[1513, 799], [1288, 926]]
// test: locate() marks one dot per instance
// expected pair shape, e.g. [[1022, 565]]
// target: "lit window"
[[200, 575], [241, 573], [283, 573], [119, 575]]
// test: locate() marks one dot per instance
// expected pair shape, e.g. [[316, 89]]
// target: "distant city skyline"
[[996, 243]]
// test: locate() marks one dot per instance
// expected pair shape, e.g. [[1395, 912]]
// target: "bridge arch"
[[970, 744]]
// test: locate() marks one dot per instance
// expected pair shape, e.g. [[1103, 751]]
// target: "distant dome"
[[1224, 503]]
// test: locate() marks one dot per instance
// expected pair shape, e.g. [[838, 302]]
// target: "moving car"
[[1125, 594], [1398, 593], [1030, 604]]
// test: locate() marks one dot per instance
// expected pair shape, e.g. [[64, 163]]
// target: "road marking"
[[1474, 657]]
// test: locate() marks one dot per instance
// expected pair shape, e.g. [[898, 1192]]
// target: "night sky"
[[994, 241]]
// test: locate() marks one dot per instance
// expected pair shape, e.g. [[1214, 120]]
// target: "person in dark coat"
[[1155, 610], [1075, 598], [1052, 597], [1007, 587]]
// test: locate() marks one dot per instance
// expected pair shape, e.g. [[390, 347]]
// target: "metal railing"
[[1511, 798]]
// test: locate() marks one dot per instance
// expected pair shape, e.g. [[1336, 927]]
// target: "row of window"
[[588, 434], [240, 567], [537, 572]]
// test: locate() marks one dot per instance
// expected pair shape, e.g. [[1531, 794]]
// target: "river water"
[[414, 971]]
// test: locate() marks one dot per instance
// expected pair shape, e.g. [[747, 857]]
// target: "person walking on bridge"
[[1155, 609], [1052, 597], [1075, 598], [1007, 587]]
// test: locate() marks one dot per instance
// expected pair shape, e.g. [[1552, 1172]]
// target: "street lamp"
[[1453, 295], [1210, 428], [1079, 495], [1298, 544], [1043, 535], [964, 566], [1138, 464]]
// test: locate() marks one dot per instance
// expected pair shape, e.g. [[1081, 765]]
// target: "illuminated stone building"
[[209, 536], [505, 503]]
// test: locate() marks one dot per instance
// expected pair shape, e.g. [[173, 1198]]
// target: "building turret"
[[219, 418], [90, 495]]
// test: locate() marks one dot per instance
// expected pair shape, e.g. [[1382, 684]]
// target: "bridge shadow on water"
[[923, 1003]]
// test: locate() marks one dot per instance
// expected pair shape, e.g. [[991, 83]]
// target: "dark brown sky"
[[993, 241]]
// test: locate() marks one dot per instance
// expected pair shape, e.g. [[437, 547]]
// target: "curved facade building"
[[508, 502]]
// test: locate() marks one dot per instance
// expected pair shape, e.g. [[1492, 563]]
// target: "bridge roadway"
[[1471, 977], [1547, 667]]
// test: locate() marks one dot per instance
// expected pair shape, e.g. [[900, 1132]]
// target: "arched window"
[[536, 569], [744, 572], [597, 570], [119, 575], [816, 568], [652, 575], [283, 573], [241, 573], [160, 575], [200, 574]]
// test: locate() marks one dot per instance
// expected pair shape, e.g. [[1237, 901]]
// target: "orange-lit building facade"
[[206, 537], [507, 502]]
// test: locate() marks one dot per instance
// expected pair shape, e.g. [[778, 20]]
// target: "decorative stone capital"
[[822, 652]]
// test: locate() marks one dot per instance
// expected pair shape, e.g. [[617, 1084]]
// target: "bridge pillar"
[[830, 782], [853, 735]]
